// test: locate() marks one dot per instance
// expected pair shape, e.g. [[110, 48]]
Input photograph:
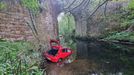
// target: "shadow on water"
[[97, 58]]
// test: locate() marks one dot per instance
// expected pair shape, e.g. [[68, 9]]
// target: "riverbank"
[[112, 40]]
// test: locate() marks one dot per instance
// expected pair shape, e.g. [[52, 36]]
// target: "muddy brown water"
[[97, 58]]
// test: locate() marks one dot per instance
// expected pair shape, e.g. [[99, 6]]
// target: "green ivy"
[[31, 4], [2, 5]]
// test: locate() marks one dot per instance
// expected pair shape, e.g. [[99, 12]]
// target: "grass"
[[18, 58]]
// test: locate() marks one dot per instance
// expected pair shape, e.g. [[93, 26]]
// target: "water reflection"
[[97, 58]]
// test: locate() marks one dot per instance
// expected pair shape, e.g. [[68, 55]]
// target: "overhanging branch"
[[82, 3], [70, 5], [105, 8], [87, 4], [97, 9]]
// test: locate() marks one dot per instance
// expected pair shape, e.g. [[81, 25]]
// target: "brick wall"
[[13, 25]]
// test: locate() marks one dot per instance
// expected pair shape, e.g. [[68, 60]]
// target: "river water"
[[94, 57]]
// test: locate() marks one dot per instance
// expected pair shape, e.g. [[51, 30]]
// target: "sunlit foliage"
[[2, 5], [131, 5], [67, 26], [31, 4]]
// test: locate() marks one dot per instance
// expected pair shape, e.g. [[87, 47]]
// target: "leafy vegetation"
[[126, 20], [67, 30], [131, 5], [67, 27], [2, 5], [121, 36], [33, 5], [17, 58]]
